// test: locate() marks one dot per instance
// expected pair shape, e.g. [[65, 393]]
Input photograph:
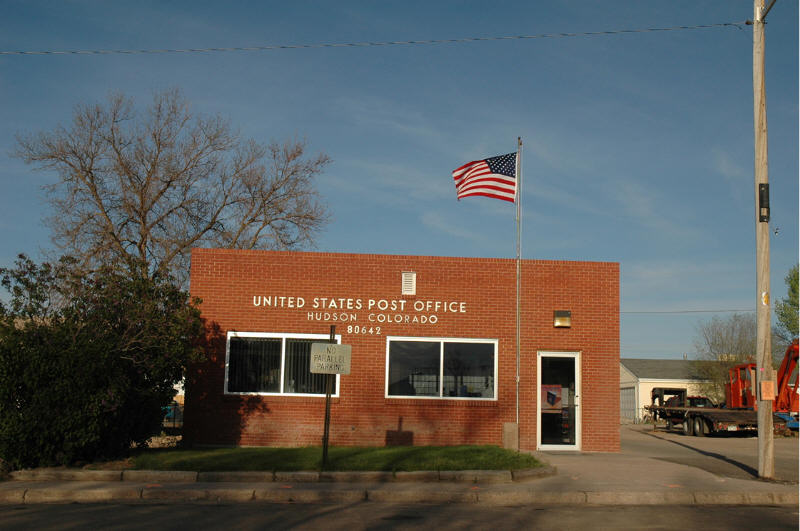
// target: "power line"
[[690, 311], [367, 44]]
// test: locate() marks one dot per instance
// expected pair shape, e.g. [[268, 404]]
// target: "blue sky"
[[638, 148]]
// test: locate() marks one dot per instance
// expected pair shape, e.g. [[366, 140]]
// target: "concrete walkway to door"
[[732, 455], [666, 463]]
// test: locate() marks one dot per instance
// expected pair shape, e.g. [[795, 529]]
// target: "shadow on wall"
[[210, 416], [196, 395], [399, 437]]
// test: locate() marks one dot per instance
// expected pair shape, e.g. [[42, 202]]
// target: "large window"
[[272, 364], [441, 368]]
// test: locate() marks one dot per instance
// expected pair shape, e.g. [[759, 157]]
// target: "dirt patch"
[[161, 441], [164, 441]]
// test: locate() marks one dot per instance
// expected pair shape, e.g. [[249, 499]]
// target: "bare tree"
[[143, 188], [719, 345], [722, 343]]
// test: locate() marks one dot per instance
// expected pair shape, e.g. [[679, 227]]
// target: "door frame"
[[576, 355]]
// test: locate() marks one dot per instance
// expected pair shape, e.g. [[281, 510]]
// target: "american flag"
[[493, 177]]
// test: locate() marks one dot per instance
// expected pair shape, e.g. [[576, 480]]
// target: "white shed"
[[638, 377]]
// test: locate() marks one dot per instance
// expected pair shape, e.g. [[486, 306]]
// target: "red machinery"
[[740, 388], [787, 398]]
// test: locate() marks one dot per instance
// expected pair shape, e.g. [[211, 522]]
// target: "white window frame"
[[441, 341], [283, 336]]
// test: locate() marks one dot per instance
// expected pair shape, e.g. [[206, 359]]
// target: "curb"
[[498, 488], [180, 476], [499, 495]]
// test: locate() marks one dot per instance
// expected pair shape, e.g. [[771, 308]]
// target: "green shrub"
[[87, 361]]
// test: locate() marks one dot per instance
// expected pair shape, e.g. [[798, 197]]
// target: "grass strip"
[[388, 459]]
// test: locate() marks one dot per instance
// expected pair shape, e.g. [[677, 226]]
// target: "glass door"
[[558, 401]]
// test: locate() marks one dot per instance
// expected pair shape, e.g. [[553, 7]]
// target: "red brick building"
[[434, 352]]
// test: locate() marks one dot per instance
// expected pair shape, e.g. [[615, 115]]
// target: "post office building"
[[438, 352]]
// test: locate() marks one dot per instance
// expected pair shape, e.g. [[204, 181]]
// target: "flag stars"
[[503, 164]]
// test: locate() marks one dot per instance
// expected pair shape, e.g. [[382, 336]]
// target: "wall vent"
[[409, 283]]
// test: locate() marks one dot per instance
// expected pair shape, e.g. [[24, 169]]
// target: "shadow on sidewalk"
[[746, 468]]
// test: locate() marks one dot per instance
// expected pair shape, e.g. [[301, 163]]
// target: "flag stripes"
[[493, 177]]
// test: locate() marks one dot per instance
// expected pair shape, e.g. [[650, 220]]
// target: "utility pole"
[[764, 372]]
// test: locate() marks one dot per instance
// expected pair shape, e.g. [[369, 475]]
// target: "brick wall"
[[228, 280]]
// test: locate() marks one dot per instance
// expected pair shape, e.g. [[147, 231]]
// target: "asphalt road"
[[727, 455], [376, 516]]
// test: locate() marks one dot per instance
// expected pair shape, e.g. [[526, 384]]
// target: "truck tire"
[[688, 426], [699, 427]]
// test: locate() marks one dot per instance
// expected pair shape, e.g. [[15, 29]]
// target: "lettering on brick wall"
[[373, 313]]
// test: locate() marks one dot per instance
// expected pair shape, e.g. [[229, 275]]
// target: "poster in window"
[[551, 396]]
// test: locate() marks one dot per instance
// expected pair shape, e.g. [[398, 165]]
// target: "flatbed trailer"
[[739, 411], [701, 421]]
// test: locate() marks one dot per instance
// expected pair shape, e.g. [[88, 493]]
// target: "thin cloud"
[[651, 209], [724, 165], [436, 221], [655, 273], [387, 115], [735, 174], [488, 244], [686, 285], [393, 182]]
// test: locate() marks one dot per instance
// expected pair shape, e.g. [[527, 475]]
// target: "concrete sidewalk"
[[626, 478]]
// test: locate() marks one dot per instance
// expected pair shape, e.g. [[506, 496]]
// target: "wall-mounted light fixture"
[[562, 318]]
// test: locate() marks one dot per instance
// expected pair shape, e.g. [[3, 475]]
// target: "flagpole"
[[519, 248]]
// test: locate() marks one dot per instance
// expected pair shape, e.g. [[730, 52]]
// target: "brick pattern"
[[228, 280]]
